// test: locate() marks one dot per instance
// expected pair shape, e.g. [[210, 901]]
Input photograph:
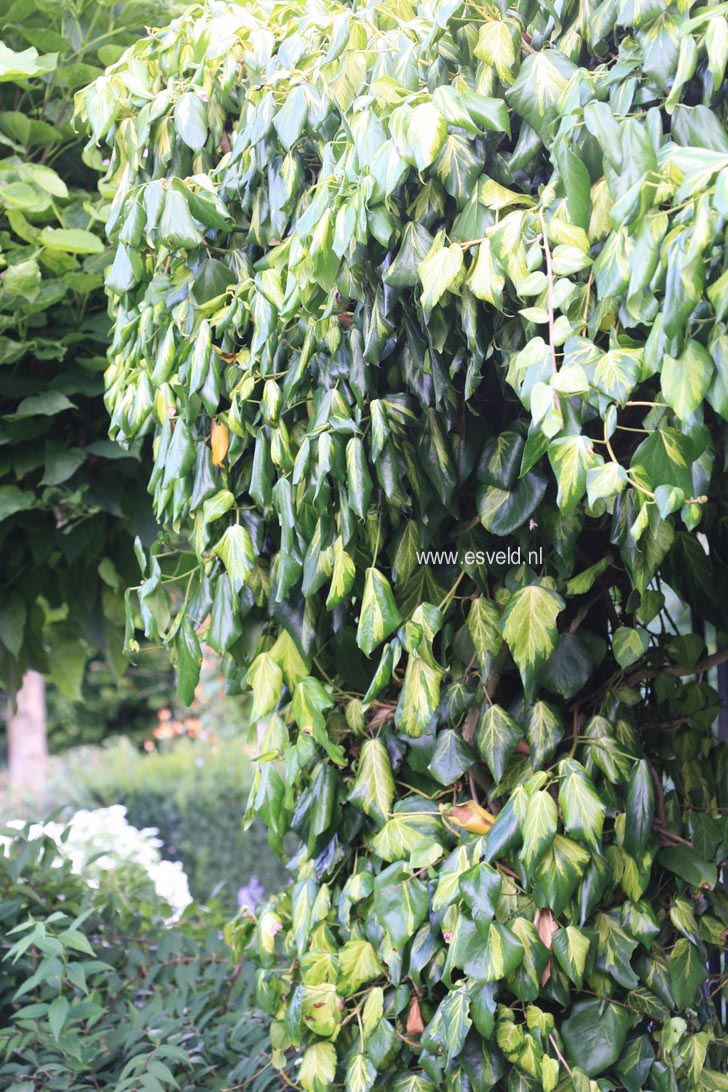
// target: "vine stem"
[[559, 1055], [550, 291]]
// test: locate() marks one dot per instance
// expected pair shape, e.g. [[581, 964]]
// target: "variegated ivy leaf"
[[378, 616]]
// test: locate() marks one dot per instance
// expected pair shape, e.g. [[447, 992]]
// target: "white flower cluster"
[[99, 841]]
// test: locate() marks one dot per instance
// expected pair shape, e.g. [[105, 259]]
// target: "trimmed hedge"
[[195, 796]]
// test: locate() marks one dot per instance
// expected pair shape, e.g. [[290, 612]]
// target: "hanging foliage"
[[425, 309]]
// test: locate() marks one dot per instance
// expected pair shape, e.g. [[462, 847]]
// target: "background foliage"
[[70, 501], [417, 277]]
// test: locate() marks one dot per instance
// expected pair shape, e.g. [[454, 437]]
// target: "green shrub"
[[195, 795], [97, 993]]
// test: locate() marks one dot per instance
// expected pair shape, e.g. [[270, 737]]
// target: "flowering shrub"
[[102, 841]]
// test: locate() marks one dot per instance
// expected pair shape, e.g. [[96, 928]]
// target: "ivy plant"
[[424, 305]]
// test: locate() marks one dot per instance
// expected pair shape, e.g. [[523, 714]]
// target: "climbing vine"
[[424, 306]]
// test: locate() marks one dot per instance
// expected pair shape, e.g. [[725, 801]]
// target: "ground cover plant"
[[402, 278]]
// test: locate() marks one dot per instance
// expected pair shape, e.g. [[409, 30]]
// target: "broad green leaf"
[[358, 964], [544, 731], [529, 625], [235, 550], [357, 476], [629, 645], [571, 458], [614, 950], [640, 811], [342, 576], [541, 79], [496, 737], [559, 873], [617, 373], [480, 888], [539, 828], [373, 788], [482, 623], [414, 826], [318, 1067], [426, 132], [71, 240], [495, 47], [503, 952], [190, 119], [360, 1074], [189, 658], [581, 806], [419, 697], [687, 972], [401, 902], [594, 1034], [571, 947], [451, 758], [450, 1025], [439, 272], [685, 379], [265, 679], [378, 616]]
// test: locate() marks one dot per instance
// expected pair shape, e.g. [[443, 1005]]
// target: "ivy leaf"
[[379, 615], [439, 271], [685, 379], [189, 658], [235, 550], [571, 458], [451, 758], [480, 888], [559, 873], [373, 788], [495, 47], [539, 828], [571, 948], [413, 828], [617, 373], [483, 627], [426, 133], [265, 679], [614, 950], [544, 731], [419, 697], [529, 626], [310, 701], [640, 810], [581, 806], [401, 903], [496, 737], [450, 1025], [358, 964], [541, 79], [503, 953], [318, 1067], [687, 972], [342, 575], [358, 478], [360, 1074], [190, 120], [629, 645], [666, 457], [595, 1034]]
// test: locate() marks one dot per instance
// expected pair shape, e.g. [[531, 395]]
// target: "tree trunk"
[[27, 746]]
